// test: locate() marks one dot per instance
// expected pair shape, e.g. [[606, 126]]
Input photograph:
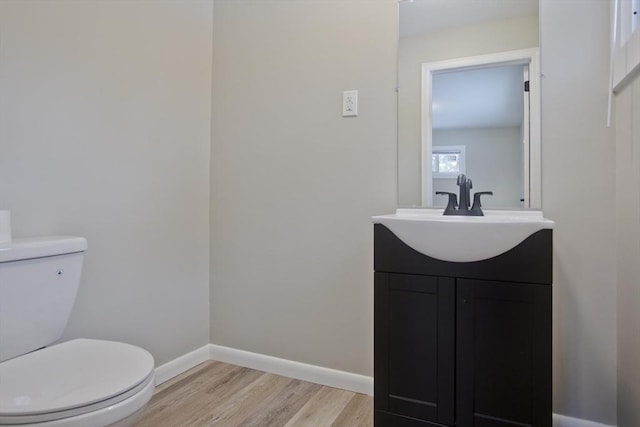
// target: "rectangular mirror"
[[468, 100]]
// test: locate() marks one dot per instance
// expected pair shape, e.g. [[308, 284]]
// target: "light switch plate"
[[349, 103]]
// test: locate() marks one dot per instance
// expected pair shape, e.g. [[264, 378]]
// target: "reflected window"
[[448, 161]]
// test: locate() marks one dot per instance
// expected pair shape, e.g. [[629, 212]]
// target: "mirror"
[[462, 104]]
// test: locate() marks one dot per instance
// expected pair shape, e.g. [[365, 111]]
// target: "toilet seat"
[[73, 378]]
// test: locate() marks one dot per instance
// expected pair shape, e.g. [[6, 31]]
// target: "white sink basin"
[[463, 238]]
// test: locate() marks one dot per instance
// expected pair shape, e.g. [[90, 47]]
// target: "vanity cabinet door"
[[414, 346], [503, 354]]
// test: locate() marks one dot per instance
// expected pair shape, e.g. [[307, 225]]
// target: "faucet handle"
[[453, 202], [476, 202]]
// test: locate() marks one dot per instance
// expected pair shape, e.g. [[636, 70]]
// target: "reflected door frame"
[[532, 149]]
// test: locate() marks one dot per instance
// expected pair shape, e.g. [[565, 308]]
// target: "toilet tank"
[[39, 280]]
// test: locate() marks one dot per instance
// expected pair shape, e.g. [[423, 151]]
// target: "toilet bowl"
[[77, 383]]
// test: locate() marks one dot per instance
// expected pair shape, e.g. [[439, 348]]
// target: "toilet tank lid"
[[38, 247]]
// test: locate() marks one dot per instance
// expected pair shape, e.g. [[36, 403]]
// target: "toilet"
[[77, 383]]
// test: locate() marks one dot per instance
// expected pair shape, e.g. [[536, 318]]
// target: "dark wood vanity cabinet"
[[414, 349], [462, 344]]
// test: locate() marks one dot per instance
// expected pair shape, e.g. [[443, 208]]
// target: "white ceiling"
[[422, 16], [485, 97]]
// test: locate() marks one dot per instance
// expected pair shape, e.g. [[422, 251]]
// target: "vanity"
[[462, 301], [462, 318]]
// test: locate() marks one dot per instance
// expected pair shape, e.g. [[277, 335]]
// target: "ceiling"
[[478, 98], [422, 16]]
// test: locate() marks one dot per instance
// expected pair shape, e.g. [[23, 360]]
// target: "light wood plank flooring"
[[219, 394]]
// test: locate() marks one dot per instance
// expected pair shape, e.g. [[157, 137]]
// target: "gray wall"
[[493, 160], [294, 184], [105, 133], [578, 170], [627, 112], [499, 36]]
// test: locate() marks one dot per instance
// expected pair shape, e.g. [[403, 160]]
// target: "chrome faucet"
[[453, 208]]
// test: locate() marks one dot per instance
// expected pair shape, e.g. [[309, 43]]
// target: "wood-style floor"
[[219, 394]]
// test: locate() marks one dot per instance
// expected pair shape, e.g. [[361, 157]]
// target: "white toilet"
[[78, 383]]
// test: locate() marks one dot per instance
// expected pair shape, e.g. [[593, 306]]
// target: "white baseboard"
[[288, 368], [181, 364], [565, 421]]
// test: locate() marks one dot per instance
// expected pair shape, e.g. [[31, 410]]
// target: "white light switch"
[[349, 103]]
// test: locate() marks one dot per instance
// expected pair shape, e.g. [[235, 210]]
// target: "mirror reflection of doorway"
[[481, 117], [479, 125]]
